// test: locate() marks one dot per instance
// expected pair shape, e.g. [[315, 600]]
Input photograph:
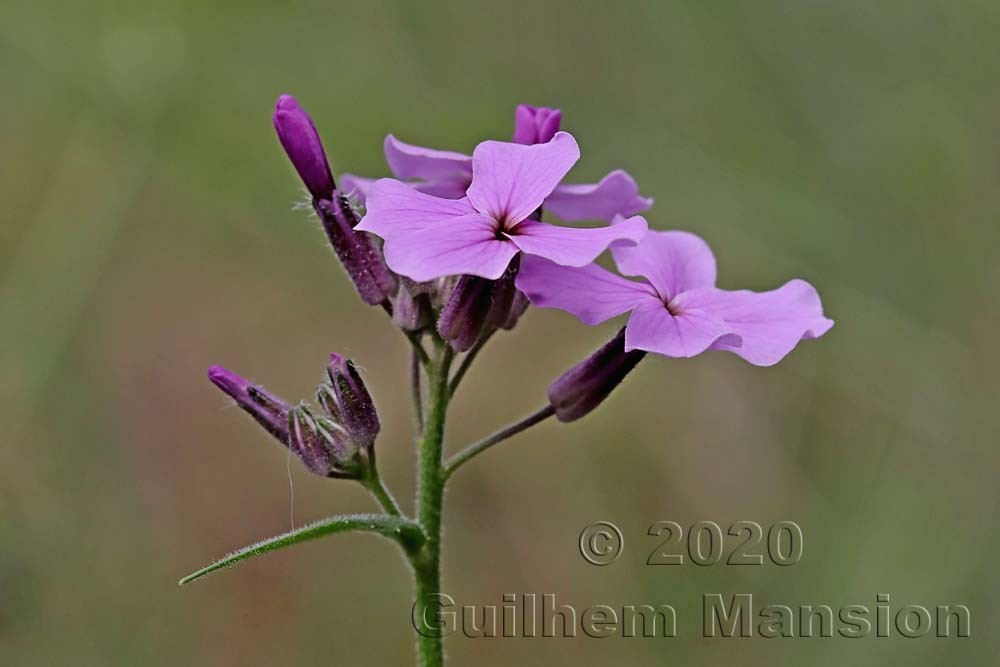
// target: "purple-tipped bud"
[[269, 411], [324, 447], [535, 125], [347, 401], [583, 387], [301, 142], [463, 316], [357, 251]]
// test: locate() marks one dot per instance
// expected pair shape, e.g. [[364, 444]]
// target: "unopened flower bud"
[[502, 295], [535, 125], [411, 308], [325, 448], [517, 309], [583, 387], [347, 401], [301, 142], [269, 411], [463, 316], [357, 251]]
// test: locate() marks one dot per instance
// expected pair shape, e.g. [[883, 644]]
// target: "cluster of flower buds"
[[339, 443]]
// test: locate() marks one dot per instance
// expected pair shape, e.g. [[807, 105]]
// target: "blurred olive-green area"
[[149, 229]]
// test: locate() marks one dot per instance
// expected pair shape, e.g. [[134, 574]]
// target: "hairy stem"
[[415, 391], [430, 495], [470, 356], [418, 347], [381, 492], [473, 450]]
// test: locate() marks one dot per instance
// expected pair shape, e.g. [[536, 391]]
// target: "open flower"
[[677, 311], [428, 237], [449, 174]]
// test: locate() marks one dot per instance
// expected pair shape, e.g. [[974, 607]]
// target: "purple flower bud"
[[347, 401], [502, 295], [463, 316], [517, 309], [269, 411], [301, 142], [411, 308], [324, 447], [583, 387], [357, 251], [535, 125], [477, 304]]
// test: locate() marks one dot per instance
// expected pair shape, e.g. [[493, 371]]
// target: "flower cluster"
[[455, 247]]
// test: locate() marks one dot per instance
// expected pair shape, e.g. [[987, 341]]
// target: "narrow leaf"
[[406, 532]]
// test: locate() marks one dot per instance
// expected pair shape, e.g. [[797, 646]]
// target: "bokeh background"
[[149, 229]]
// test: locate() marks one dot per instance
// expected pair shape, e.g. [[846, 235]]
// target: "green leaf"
[[407, 533]]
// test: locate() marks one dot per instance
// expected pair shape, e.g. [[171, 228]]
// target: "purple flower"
[[677, 311], [427, 237], [448, 174]]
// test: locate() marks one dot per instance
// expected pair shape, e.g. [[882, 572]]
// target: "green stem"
[[418, 348], [430, 496], [470, 356], [377, 487], [472, 450], [415, 391]]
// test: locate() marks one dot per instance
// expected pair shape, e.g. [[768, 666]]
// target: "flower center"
[[672, 306], [505, 225]]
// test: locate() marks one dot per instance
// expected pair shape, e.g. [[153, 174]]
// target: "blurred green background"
[[148, 231]]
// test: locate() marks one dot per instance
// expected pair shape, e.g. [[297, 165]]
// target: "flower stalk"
[[430, 498], [503, 434]]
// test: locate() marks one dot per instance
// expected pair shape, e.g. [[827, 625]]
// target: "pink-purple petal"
[[462, 245], [591, 293], [572, 246], [673, 262], [428, 164], [510, 181], [395, 207], [356, 187], [770, 324], [615, 194], [447, 189], [653, 328]]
